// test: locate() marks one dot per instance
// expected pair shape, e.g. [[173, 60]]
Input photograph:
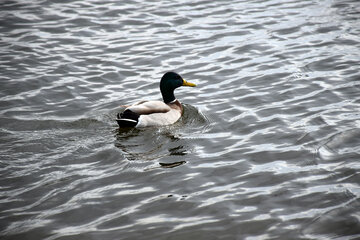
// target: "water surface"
[[268, 147]]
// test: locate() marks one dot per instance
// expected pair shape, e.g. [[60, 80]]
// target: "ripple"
[[341, 145], [267, 146]]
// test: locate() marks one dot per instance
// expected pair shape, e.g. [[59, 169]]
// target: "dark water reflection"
[[268, 147]]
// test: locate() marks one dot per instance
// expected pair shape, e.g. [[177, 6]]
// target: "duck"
[[156, 112]]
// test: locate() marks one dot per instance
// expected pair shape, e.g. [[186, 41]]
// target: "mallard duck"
[[156, 113]]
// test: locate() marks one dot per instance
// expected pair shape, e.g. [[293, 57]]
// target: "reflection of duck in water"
[[156, 113]]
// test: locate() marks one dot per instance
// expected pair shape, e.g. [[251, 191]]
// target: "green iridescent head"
[[169, 82]]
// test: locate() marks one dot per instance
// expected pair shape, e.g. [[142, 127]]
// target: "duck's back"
[[149, 107]]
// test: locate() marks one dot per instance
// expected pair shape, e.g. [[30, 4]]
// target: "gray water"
[[268, 146]]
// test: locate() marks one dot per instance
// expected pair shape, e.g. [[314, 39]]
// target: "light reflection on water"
[[268, 146]]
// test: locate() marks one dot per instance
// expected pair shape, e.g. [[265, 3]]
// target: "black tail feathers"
[[127, 118]]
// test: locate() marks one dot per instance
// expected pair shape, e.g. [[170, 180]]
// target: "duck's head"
[[169, 82]]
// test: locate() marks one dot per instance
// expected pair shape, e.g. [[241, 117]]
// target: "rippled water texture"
[[268, 147]]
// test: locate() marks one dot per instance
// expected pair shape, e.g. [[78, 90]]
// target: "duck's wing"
[[149, 107], [148, 113], [159, 119]]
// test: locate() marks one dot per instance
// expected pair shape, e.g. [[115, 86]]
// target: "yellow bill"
[[189, 84]]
